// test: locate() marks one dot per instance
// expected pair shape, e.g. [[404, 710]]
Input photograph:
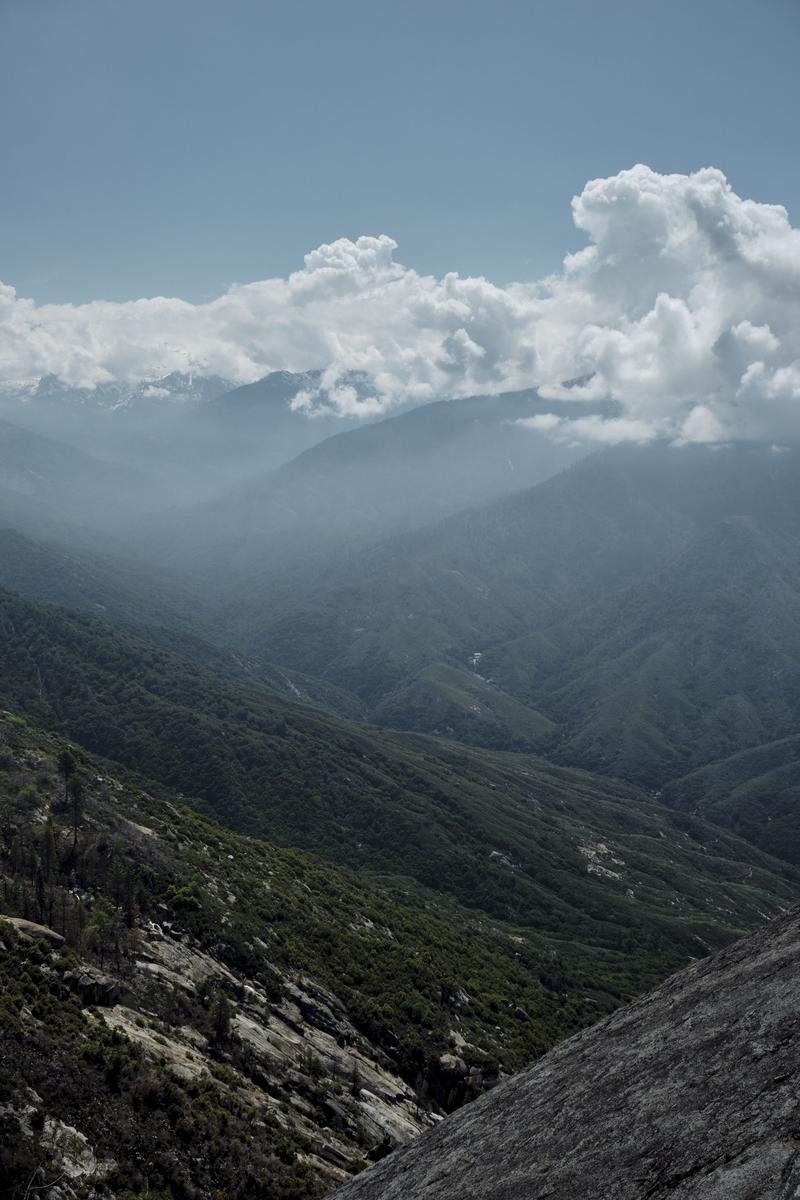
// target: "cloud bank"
[[683, 310]]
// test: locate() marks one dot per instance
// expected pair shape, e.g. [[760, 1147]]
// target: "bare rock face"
[[31, 931], [691, 1093], [93, 986]]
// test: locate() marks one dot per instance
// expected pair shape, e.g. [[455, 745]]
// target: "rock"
[[336, 1114], [32, 931], [330, 1153], [71, 1150], [316, 1007], [691, 1093], [451, 1064], [73, 1153], [184, 1061], [93, 986]]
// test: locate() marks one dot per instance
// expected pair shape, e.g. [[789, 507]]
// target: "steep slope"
[[165, 605], [464, 705], [201, 1011], [694, 663], [484, 576], [82, 576], [690, 1093]]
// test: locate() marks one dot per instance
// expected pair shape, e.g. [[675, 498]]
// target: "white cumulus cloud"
[[682, 311]]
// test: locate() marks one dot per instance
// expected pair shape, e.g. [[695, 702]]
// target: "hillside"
[[81, 576], [164, 606], [481, 577], [618, 887], [45, 483], [592, 617], [697, 661], [755, 792], [194, 436], [588, 619], [222, 1014], [690, 1093]]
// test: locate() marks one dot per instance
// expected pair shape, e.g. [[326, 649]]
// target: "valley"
[[399, 600], [401, 762]]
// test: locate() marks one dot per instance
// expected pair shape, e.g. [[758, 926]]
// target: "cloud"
[[592, 428], [682, 311]]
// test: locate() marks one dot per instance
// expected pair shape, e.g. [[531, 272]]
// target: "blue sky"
[[175, 146]]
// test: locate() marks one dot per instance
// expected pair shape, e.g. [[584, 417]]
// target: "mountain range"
[[636, 614], [517, 719]]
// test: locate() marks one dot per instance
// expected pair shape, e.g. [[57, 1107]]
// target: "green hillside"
[[187, 950], [508, 835], [694, 663], [636, 615], [755, 792]]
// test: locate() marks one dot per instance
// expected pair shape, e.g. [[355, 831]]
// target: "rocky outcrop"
[[94, 986], [318, 1076], [31, 931], [691, 1093], [65, 1146]]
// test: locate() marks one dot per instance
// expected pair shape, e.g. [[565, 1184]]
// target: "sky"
[[173, 147], [446, 198]]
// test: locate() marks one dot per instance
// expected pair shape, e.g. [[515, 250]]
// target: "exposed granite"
[[32, 931], [692, 1092]]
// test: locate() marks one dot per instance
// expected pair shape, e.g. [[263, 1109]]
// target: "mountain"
[[195, 435], [480, 578], [125, 422], [690, 1092], [591, 873], [637, 614], [80, 576], [116, 585], [279, 941], [43, 399], [256, 426], [358, 484], [698, 660], [47, 484]]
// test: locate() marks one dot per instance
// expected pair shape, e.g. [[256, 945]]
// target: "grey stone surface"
[[33, 931], [692, 1092]]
